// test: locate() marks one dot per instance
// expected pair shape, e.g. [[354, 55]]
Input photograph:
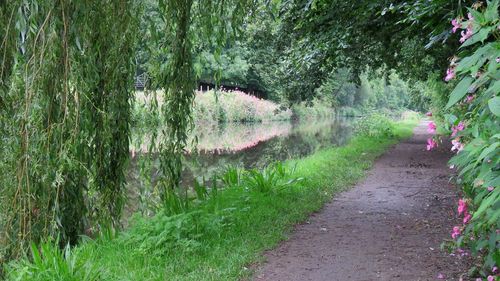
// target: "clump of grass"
[[232, 176], [274, 177], [48, 262], [219, 237]]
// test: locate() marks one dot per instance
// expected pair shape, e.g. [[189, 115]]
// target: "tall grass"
[[236, 106]]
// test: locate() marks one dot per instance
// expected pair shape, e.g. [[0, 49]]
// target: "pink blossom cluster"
[[456, 23], [431, 144], [431, 128], [457, 145], [465, 35], [458, 128], [468, 32], [450, 74], [469, 98], [463, 210], [456, 232]]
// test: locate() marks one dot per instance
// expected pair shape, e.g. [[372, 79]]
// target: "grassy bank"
[[220, 236], [231, 106]]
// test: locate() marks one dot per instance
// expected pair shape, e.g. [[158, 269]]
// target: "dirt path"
[[388, 227]]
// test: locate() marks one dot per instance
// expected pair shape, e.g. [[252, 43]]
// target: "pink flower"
[[498, 59], [462, 206], [469, 15], [469, 99], [428, 114], [491, 188], [467, 217], [441, 276], [456, 232], [450, 74], [431, 144], [431, 127], [458, 128], [494, 270], [491, 278], [457, 145], [456, 25], [466, 34]]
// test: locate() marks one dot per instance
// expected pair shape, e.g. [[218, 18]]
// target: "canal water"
[[247, 145]]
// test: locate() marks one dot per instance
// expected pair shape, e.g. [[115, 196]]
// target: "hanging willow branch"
[[65, 97], [66, 71], [188, 23]]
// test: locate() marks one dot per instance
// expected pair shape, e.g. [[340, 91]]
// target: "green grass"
[[222, 236]]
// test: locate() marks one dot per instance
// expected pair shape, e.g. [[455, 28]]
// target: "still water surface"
[[250, 145]]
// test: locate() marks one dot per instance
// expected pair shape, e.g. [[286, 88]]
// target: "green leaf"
[[494, 88], [475, 131], [493, 196], [460, 91], [479, 36], [472, 61], [494, 105], [487, 151], [491, 13]]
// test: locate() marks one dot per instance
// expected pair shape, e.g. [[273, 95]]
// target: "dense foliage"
[[67, 96], [226, 227], [67, 84], [65, 91], [471, 118]]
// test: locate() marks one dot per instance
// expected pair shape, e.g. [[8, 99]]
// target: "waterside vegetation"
[[225, 227]]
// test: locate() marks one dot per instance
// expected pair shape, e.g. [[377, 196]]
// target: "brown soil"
[[388, 227]]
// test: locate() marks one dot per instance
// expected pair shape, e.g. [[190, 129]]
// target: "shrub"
[[164, 233], [375, 125], [350, 112], [471, 116], [312, 110]]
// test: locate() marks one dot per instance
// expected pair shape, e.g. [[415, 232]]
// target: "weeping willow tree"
[[66, 90], [66, 70], [190, 26]]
